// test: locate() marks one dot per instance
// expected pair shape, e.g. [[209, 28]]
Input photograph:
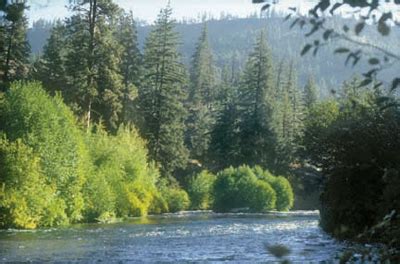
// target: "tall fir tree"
[[224, 150], [256, 100], [50, 68], [310, 92], [162, 96], [202, 98], [130, 65], [92, 62], [14, 46], [288, 121]]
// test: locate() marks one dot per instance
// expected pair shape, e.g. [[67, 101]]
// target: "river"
[[185, 237]]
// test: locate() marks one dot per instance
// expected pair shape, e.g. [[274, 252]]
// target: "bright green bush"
[[281, 186], [200, 191], [121, 171], [177, 199], [225, 191], [26, 201], [240, 188], [49, 128], [159, 204], [284, 194]]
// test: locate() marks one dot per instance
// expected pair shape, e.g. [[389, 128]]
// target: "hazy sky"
[[148, 9]]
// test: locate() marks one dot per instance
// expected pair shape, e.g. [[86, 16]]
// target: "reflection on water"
[[189, 237]]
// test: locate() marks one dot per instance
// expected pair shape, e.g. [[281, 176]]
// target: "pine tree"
[[310, 92], [224, 150], [50, 68], [288, 124], [92, 63], [202, 98], [130, 66], [14, 47], [256, 99], [162, 95]]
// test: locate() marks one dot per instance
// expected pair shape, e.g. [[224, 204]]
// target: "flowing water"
[[185, 237]]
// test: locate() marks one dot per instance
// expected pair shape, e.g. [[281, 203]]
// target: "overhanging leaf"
[[359, 27], [306, 49], [373, 61], [342, 50]]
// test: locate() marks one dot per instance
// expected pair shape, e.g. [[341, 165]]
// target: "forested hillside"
[[231, 40]]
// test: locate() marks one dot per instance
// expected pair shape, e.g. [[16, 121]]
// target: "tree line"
[[69, 148], [218, 117]]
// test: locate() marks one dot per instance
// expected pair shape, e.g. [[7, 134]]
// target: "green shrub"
[[177, 199], [225, 191], [49, 128], [121, 171], [240, 188], [263, 197], [26, 201], [159, 204], [281, 186], [200, 191], [284, 193]]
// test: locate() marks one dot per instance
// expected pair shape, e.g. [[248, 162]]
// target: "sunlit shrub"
[[48, 127], [225, 191], [159, 204], [121, 171], [281, 186], [240, 188], [263, 197], [200, 190], [25, 199], [176, 198]]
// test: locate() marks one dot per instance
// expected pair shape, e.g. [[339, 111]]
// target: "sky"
[[148, 9]]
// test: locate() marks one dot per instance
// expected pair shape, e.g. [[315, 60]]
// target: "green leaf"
[[306, 49], [373, 61], [265, 7], [395, 84], [383, 28], [365, 82], [342, 50], [327, 34], [359, 27]]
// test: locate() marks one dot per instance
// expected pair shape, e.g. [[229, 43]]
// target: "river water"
[[178, 238]]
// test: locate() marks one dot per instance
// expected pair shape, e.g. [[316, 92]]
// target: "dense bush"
[[123, 183], [176, 199], [255, 189], [200, 188], [26, 201], [358, 150], [281, 186], [46, 128], [52, 173]]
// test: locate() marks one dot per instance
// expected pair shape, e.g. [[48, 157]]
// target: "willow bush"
[[46, 126], [251, 188], [199, 190], [122, 172]]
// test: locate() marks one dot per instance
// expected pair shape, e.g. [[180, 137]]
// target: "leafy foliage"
[[200, 191], [356, 147], [255, 189], [48, 127]]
